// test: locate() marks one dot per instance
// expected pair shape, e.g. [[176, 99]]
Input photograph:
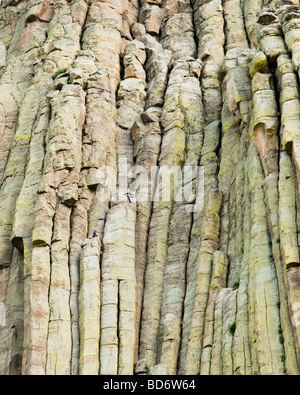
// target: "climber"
[[95, 233], [101, 240], [131, 197]]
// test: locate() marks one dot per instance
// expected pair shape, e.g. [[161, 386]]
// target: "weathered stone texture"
[[195, 269]]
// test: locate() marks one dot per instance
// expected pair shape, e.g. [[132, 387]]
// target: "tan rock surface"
[[100, 102]]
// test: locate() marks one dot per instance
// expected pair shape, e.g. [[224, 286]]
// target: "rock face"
[[172, 127]]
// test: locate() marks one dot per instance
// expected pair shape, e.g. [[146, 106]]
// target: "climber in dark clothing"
[[131, 197], [95, 234]]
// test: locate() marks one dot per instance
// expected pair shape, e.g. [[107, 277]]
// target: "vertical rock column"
[[146, 134], [185, 195], [89, 307], [235, 31], [130, 105], [209, 24], [218, 282], [151, 15], [288, 239], [209, 244], [263, 288], [12, 316], [251, 8], [234, 357], [59, 329], [102, 46], [118, 292], [289, 16], [289, 161], [236, 94]]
